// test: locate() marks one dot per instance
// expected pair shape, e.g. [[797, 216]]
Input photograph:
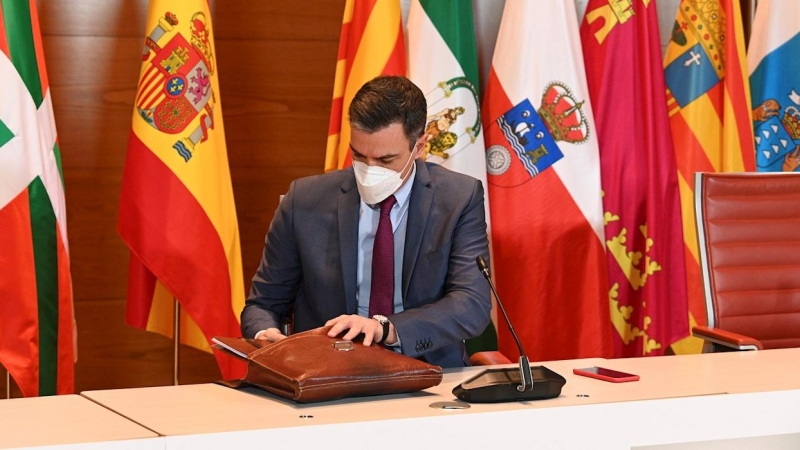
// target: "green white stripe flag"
[[443, 62]]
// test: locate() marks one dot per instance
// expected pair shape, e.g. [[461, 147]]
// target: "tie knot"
[[386, 205]]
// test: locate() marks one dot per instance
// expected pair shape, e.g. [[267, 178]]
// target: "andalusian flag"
[[443, 62], [773, 61], [544, 186], [709, 114], [371, 44], [36, 314], [647, 271], [177, 213]]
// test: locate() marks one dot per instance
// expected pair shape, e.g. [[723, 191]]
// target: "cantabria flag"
[[544, 186], [774, 67], [443, 62], [36, 316]]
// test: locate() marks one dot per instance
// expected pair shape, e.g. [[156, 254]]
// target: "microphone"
[[509, 384]]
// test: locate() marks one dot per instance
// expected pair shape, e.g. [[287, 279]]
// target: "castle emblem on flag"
[[533, 133], [614, 13], [440, 125], [175, 91]]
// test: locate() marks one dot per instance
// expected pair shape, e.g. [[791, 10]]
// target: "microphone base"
[[500, 385]]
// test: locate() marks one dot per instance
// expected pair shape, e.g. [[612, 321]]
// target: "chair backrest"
[[749, 234]]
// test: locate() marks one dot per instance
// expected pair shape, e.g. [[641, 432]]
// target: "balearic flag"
[[774, 67], [647, 276], [544, 186], [36, 313], [176, 212], [371, 44], [709, 115], [443, 62]]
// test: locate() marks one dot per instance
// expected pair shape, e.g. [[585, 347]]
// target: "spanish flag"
[[371, 44], [36, 314], [708, 97], [177, 213]]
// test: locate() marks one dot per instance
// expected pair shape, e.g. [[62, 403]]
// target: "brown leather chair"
[[748, 228]]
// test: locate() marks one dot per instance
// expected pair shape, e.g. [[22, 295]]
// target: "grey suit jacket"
[[310, 258]]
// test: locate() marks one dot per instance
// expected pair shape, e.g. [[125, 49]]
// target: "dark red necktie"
[[381, 294]]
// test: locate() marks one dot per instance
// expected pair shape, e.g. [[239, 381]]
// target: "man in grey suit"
[[418, 225]]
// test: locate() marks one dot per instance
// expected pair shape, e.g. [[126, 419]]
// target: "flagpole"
[[176, 343], [8, 384]]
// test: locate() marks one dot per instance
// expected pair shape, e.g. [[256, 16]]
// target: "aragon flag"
[[774, 65], [647, 271], [443, 62], [371, 44], [37, 327], [544, 186], [709, 116], [176, 212]]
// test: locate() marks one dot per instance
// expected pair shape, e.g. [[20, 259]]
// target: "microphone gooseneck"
[[484, 268]]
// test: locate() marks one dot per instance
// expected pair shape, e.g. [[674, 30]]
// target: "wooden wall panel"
[[276, 64]]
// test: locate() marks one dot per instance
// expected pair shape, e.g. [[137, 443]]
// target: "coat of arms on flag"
[[176, 86], [533, 135]]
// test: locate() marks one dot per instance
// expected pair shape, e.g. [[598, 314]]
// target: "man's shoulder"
[[442, 177]]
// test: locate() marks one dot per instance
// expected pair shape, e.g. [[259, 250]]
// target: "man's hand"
[[355, 324], [270, 334]]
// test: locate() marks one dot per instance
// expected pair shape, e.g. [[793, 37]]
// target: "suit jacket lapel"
[[348, 205], [419, 209]]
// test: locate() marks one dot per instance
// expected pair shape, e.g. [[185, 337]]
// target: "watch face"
[[380, 318]]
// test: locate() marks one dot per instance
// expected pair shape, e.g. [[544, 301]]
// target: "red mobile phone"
[[606, 374]]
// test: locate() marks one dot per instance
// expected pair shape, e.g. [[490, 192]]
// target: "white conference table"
[[679, 399], [69, 421]]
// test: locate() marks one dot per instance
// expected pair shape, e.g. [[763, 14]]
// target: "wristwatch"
[[384, 321]]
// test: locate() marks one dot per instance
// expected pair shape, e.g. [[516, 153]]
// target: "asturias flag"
[[773, 61], [176, 212], [647, 272], [544, 186], [371, 44], [36, 314], [709, 115]]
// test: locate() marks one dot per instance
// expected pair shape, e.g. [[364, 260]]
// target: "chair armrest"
[[727, 338], [488, 359]]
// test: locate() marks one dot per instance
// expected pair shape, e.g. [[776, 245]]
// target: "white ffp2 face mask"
[[375, 183]]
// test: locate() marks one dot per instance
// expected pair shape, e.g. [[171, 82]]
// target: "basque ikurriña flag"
[[647, 276], [37, 327], [371, 44], [176, 212], [773, 61], [544, 186], [709, 115], [443, 63]]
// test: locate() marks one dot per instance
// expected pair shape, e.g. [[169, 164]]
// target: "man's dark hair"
[[387, 100]]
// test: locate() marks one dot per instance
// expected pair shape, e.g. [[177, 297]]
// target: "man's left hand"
[[355, 324]]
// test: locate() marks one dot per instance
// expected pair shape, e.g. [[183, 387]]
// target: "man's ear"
[[419, 146]]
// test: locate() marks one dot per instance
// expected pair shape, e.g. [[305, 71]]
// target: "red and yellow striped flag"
[[708, 96], [36, 314], [177, 213], [371, 44]]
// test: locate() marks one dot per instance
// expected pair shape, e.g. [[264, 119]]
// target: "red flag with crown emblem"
[[647, 275]]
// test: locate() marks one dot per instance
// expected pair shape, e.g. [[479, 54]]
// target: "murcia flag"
[[544, 186], [443, 62], [371, 44], [176, 212], [647, 272], [773, 61], [36, 314], [709, 117]]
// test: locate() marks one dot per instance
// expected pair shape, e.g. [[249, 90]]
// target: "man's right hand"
[[270, 334]]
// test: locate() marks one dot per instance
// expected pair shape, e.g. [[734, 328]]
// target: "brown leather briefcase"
[[312, 367]]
